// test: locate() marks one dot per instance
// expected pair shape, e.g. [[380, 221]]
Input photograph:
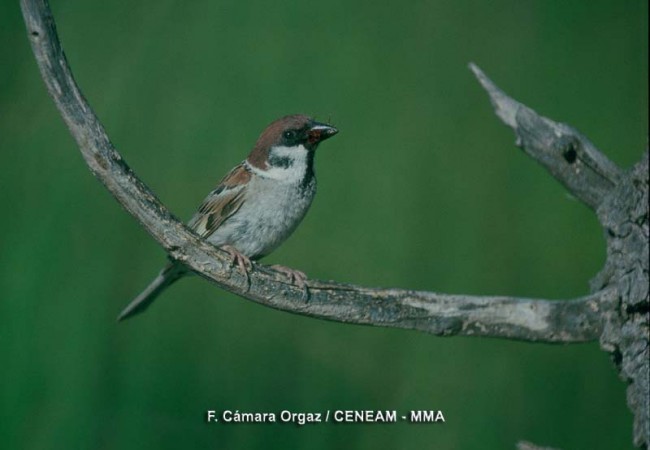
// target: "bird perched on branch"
[[257, 205]]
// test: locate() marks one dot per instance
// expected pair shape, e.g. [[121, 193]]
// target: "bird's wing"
[[222, 202]]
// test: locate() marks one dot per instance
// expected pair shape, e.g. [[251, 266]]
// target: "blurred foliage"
[[422, 188]]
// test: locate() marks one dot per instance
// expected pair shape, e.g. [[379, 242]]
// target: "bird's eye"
[[289, 134]]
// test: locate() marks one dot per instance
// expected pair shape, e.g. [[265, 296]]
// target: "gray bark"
[[616, 311], [620, 200]]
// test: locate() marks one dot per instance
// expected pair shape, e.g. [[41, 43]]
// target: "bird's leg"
[[295, 276], [243, 262]]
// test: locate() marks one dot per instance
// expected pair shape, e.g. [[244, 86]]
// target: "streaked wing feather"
[[224, 201]]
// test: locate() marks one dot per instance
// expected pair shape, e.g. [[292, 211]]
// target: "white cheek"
[[295, 172]]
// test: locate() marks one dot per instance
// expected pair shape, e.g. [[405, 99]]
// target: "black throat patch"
[[309, 173]]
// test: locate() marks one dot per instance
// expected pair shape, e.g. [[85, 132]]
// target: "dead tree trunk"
[[624, 217]]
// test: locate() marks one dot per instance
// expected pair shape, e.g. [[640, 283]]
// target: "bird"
[[257, 205]]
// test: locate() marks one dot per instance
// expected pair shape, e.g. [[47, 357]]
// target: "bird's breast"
[[270, 213]]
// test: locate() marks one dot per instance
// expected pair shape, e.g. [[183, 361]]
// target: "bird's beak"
[[321, 131]]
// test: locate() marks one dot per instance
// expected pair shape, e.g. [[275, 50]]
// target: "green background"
[[423, 188]]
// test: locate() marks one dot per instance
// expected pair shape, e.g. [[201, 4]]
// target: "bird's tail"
[[170, 273]]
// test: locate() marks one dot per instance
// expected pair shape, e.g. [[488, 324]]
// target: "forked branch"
[[440, 314]]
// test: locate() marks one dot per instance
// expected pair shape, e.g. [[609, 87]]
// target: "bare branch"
[[441, 314], [569, 156], [620, 200]]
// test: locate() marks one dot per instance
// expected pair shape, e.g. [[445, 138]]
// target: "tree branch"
[[440, 314], [569, 156], [620, 199]]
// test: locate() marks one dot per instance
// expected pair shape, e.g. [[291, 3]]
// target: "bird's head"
[[289, 140]]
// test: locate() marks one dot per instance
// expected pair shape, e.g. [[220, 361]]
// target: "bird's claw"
[[243, 262]]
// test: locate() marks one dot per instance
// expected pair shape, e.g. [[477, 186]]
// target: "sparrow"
[[257, 205]]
